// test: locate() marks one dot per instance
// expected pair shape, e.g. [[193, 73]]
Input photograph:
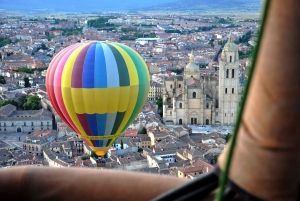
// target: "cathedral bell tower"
[[228, 83]]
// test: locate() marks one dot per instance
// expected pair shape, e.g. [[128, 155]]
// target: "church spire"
[[230, 38], [192, 58]]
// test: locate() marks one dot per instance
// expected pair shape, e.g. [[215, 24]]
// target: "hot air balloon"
[[98, 88]]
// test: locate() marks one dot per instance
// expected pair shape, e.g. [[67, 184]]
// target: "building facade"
[[15, 121], [194, 98]]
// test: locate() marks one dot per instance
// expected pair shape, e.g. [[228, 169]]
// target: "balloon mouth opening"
[[100, 153]]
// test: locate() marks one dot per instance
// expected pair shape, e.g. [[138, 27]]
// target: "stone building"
[[155, 91], [15, 121], [35, 142], [194, 98]]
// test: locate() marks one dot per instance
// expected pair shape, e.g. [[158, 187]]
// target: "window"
[[31, 123], [41, 123], [170, 112], [179, 85], [232, 73], [216, 113], [171, 86], [194, 94], [12, 124], [232, 90], [225, 90], [24, 123], [232, 114], [217, 103], [225, 114], [207, 105], [227, 72], [230, 59], [180, 105]]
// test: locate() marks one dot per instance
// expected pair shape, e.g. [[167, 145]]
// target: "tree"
[[32, 103], [6, 102], [122, 145], [85, 157], [2, 80], [159, 103], [94, 155], [26, 80], [143, 131], [22, 99], [228, 136]]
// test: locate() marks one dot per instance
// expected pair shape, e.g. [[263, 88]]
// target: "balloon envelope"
[[98, 88]]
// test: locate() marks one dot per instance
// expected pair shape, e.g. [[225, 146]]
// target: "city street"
[[13, 139]]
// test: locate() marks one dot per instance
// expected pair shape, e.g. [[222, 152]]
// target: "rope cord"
[[224, 174]]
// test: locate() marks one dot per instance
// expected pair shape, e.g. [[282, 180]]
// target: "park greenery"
[[206, 28], [172, 31], [66, 32], [4, 41], [101, 22], [32, 103], [137, 35]]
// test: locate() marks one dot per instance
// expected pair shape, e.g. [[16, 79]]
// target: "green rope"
[[223, 178]]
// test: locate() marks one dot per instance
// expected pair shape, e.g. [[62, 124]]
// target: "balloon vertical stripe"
[[100, 76], [123, 72], [88, 72], [77, 71], [98, 88], [112, 72]]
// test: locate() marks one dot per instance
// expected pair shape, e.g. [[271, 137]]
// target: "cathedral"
[[204, 98]]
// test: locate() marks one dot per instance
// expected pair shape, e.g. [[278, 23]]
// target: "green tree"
[[22, 99], [2, 80], [44, 47], [228, 136], [26, 80], [144, 130], [32, 103], [211, 42], [94, 155], [85, 157], [159, 102], [6, 102], [122, 144]]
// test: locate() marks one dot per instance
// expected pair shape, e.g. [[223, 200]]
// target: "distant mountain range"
[[210, 5], [117, 5]]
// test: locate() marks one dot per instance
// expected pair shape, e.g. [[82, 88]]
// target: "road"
[[13, 139]]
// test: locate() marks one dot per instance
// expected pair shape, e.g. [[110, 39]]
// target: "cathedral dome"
[[191, 65]]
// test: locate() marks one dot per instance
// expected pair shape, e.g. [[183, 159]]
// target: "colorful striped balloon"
[[98, 88]]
